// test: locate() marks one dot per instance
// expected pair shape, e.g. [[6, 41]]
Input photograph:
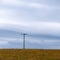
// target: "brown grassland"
[[29, 54]]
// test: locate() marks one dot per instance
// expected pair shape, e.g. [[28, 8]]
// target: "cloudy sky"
[[40, 19]]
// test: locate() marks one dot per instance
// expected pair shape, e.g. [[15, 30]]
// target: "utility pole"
[[24, 34]]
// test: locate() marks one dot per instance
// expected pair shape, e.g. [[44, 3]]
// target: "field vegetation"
[[29, 54]]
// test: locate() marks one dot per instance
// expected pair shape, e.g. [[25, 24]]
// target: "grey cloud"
[[30, 14]]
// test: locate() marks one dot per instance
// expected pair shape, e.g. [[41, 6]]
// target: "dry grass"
[[29, 54]]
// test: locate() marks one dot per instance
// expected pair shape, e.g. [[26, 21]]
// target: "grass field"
[[29, 54]]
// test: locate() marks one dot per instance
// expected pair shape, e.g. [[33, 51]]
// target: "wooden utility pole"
[[24, 34]]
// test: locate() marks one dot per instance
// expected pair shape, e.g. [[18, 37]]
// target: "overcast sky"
[[40, 19]]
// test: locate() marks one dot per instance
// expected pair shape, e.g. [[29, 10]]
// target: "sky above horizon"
[[40, 19]]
